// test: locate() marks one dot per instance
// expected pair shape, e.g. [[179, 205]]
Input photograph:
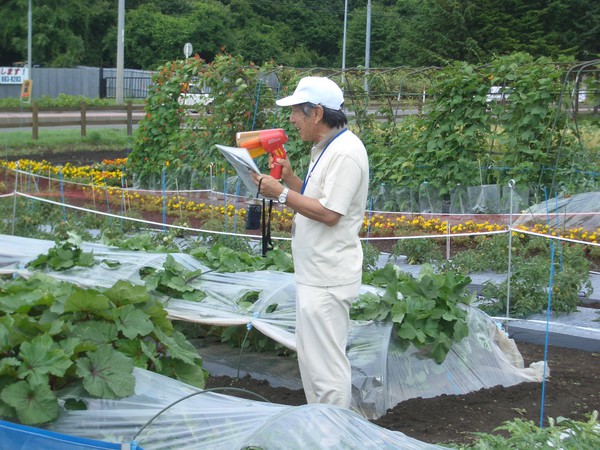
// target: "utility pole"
[[29, 26], [120, 51], [368, 46], [344, 44]]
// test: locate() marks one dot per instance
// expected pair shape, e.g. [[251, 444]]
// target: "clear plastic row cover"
[[382, 374]]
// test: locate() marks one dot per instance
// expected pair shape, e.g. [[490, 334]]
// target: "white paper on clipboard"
[[243, 164]]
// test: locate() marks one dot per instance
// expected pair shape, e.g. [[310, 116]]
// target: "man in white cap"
[[330, 205]]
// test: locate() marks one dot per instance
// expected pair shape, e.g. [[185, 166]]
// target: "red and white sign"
[[13, 75]]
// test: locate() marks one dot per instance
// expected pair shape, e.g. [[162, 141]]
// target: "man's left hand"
[[268, 186]]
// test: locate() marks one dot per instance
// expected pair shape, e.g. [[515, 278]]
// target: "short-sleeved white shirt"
[[338, 176]]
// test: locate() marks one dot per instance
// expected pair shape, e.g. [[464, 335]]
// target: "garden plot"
[[182, 417], [383, 373], [178, 416]]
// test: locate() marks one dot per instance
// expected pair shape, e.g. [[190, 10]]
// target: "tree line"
[[299, 33]]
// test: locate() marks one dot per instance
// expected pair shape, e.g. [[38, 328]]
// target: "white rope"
[[558, 238], [49, 178], [388, 238], [378, 238], [210, 190], [370, 238], [179, 227]]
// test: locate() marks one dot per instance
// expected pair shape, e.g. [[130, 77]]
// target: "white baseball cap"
[[318, 90]]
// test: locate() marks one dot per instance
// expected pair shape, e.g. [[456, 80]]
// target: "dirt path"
[[572, 390]]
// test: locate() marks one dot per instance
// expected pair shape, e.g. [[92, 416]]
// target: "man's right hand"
[[286, 167], [287, 173]]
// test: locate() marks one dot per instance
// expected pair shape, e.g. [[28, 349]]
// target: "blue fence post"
[[164, 199], [62, 193], [108, 206], [237, 196], [225, 221], [123, 207]]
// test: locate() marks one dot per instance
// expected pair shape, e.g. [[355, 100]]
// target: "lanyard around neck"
[[305, 182]]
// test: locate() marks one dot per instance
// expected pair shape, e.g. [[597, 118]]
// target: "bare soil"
[[572, 391]]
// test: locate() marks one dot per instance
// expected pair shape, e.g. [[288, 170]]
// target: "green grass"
[[20, 144], [63, 100]]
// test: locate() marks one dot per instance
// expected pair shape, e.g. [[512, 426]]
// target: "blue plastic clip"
[[254, 316]]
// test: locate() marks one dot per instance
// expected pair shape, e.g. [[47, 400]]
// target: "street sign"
[[13, 75], [26, 91], [187, 49]]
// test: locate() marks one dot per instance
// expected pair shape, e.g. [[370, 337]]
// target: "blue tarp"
[[16, 437]]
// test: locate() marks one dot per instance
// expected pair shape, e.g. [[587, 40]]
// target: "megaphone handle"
[[276, 171]]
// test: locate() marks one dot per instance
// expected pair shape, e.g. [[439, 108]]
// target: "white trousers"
[[322, 321]]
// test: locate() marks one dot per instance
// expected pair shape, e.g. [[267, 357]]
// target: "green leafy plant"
[[426, 311], [171, 137], [250, 340], [247, 337], [78, 230], [173, 280], [530, 273], [593, 253], [54, 334], [370, 256], [64, 256], [143, 241], [469, 139], [529, 284], [562, 433], [489, 253], [225, 259], [530, 279], [418, 250]]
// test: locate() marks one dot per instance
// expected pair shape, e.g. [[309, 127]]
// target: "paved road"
[[16, 121]]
